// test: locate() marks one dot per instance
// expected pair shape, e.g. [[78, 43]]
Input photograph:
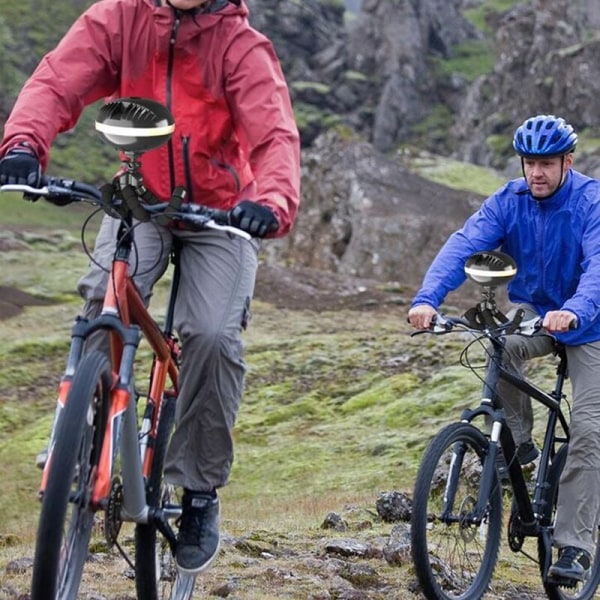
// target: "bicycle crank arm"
[[162, 524]]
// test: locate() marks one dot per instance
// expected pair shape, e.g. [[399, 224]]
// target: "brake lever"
[[439, 325]]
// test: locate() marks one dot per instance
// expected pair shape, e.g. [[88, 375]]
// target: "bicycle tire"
[[155, 570], [586, 590], [453, 557], [66, 517]]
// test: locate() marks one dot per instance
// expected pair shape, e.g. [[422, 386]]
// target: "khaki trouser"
[[579, 489], [217, 282]]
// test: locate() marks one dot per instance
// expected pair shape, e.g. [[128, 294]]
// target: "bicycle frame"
[[528, 508], [125, 317]]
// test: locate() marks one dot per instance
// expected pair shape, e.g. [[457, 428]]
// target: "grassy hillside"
[[339, 407]]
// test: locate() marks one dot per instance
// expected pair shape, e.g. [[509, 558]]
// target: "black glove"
[[256, 219], [20, 166]]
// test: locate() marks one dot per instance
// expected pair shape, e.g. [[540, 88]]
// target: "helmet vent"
[[542, 141], [544, 135]]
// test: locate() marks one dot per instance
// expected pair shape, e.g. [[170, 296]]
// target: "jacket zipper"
[[185, 143], [543, 215], [171, 60], [186, 138]]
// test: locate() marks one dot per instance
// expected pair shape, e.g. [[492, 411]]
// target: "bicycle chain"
[[112, 515]]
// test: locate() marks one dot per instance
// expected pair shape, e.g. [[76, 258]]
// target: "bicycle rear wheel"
[[547, 555], [155, 570], [66, 518], [454, 554]]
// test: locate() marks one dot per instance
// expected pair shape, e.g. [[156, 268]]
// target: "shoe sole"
[[563, 580], [202, 568], [529, 457]]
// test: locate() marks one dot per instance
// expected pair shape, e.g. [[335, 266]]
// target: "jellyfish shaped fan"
[[135, 125]]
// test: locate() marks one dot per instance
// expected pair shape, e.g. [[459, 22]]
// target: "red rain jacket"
[[235, 135]]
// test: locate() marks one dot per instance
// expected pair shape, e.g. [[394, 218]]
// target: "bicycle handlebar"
[[62, 191], [443, 324]]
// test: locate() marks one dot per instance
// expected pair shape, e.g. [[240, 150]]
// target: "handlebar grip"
[[220, 216]]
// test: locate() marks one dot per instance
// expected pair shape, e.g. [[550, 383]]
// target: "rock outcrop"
[[548, 61], [371, 71], [365, 215], [375, 72]]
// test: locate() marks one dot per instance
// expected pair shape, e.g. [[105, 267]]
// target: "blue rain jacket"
[[555, 243]]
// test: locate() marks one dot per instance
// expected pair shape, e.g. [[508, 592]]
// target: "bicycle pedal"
[[563, 581]]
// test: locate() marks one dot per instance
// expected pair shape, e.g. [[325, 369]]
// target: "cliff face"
[[548, 62], [362, 213], [370, 71], [375, 71], [392, 45]]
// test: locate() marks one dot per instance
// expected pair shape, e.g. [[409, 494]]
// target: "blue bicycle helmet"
[[544, 135]]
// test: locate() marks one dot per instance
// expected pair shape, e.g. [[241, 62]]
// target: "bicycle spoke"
[[155, 570]]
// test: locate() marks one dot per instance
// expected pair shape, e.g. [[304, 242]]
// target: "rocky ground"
[[356, 553]]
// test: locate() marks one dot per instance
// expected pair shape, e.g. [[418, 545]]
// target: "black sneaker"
[[527, 452], [573, 564], [198, 539]]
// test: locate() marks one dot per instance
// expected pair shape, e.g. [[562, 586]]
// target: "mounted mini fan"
[[135, 125]]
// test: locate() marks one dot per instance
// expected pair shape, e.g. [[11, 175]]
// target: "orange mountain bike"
[[106, 454]]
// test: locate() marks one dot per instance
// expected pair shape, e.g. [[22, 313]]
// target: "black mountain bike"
[[457, 520]]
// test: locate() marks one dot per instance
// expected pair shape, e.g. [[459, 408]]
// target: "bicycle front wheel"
[[454, 550], [585, 590], [66, 518]]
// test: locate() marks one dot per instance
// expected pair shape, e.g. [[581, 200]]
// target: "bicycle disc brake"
[[515, 536], [112, 515], [468, 529]]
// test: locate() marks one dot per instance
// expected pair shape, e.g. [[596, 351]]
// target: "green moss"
[[315, 86], [500, 144], [380, 394], [482, 14], [470, 60], [20, 477], [355, 76], [307, 114], [439, 120], [453, 174], [588, 141]]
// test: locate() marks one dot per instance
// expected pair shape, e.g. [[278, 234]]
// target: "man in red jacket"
[[235, 146]]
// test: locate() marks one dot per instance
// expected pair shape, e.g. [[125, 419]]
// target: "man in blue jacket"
[[549, 222]]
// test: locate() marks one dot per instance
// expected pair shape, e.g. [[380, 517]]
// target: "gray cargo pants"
[[217, 282], [579, 489]]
